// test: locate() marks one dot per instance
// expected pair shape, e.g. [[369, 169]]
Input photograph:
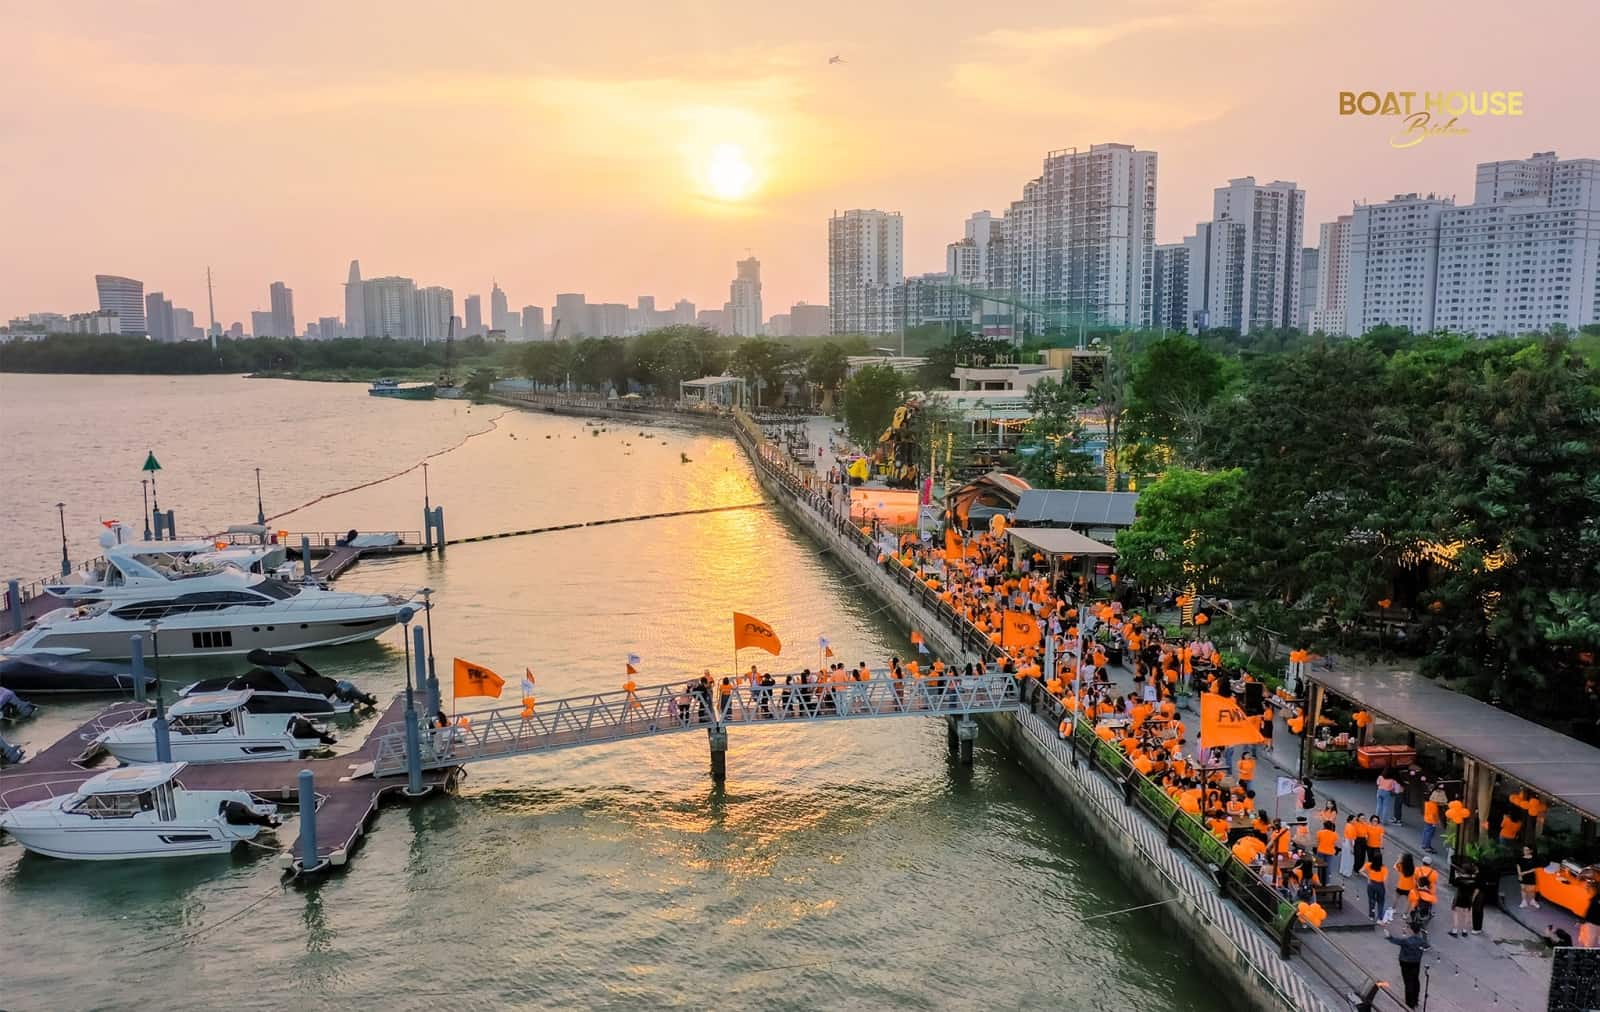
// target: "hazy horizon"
[[642, 150]]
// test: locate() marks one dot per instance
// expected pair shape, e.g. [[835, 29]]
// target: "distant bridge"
[[649, 711]]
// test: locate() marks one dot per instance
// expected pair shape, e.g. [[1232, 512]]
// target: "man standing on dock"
[[1412, 944]]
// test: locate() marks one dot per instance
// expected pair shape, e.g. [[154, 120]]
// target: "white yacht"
[[220, 727], [245, 547], [205, 611], [134, 812]]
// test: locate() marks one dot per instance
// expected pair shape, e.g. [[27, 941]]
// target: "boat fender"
[[237, 813]]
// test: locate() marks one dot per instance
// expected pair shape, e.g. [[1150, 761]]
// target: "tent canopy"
[[1053, 541]]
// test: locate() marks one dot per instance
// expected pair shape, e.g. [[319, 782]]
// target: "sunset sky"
[[632, 148]]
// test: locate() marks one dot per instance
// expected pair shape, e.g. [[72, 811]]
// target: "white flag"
[[1287, 785]]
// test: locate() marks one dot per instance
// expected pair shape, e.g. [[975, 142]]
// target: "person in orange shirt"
[[1327, 841], [1405, 882], [1377, 891], [1510, 828], [1355, 846], [1247, 771], [1431, 813], [1375, 840]]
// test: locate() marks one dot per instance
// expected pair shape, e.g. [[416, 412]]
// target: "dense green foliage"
[[870, 397], [366, 357], [1457, 480], [1056, 457]]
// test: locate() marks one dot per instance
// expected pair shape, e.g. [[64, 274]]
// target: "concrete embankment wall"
[[1217, 933]]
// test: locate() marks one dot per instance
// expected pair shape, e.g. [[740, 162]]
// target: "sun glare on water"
[[728, 175]]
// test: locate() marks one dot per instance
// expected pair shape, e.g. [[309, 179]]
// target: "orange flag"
[[1224, 723], [1019, 629], [476, 680], [952, 545], [752, 632]]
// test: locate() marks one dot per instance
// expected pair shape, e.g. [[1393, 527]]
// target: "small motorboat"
[[288, 682], [220, 727], [39, 674], [13, 706], [135, 812]]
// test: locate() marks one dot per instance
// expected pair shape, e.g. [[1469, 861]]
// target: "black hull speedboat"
[[52, 675]]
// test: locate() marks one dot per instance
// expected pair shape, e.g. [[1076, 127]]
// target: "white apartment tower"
[[499, 311], [744, 298], [1394, 258], [435, 307], [1333, 276], [1079, 247], [1525, 255], [1169, 290], [1250, 279], [866, 269], [967, 260]]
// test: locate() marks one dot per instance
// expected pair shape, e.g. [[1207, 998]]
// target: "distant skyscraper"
[[389, 306], [125, 297], [1308, 288], [261, 323], [499, 313], [683, 312], [778, 326], [967, 260], [532, 323], [282, 309], [474, 311], [610, 319], [713, 319], [355, 321], [571, 315], [1333, 276], [158, 317], [236, 330], [745, 298], [1169, 293], [1245, 264], [1394, 261], [183, 328], [809, 321], [328, 327], [866, 262], [435, 307]]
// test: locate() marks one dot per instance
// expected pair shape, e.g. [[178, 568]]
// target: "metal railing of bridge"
[[665, 709]]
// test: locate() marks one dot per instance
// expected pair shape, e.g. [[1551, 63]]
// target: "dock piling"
[[14, 604], [308, 821], [950, 734], [136, 665], [305, 558], [163, 739], [966, 732], [438, 528], [420, 663], [718, 736]]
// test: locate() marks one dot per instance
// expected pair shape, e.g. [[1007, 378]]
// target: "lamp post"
[[425, 504], [144, 486], [261, 514], [413, 735], [163, 734], [433, 675], [66, 567]]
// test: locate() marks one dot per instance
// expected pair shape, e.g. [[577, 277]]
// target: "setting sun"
[[728, 174]]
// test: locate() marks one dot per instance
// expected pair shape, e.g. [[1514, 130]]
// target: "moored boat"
[[221, 727], [285, 677], [54, 675], [406, 392], [136, 812]]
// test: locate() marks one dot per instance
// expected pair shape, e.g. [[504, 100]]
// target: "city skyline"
[[638, 147]]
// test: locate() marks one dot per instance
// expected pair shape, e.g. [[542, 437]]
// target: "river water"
[[849, 865]]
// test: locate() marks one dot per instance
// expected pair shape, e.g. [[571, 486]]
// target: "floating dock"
[[345, 805]]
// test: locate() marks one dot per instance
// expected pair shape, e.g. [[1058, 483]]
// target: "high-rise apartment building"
[[1308, 287], [1394, 255], [499, 309], [158, 317], [934, 298], [866, 266], [683, 312], [778, 326], [435, 307], [967, 259], [744, 295], [1525, 255], [355, 323], [474, 315], [328, 328], [1169, 289], [282, 302], [532, 323], [125, 297], [261, 323], [1250, 277], [183, 328], [1333, 276], [389, 306], [1079, 247], [570, 317]]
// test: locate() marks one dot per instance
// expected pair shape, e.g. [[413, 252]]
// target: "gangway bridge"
[[650, 711]]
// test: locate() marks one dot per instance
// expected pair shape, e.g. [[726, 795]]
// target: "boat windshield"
[[276, 589], [113, 806], [201, 723]]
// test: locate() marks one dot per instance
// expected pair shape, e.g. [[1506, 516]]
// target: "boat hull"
[[422, 393], [45, 675], [126, 843], [209, 750], [177, 641]]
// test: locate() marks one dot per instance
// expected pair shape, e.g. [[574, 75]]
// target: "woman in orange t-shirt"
[[1374, 840]]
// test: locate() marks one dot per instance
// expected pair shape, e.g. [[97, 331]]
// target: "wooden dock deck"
[[345, 807]]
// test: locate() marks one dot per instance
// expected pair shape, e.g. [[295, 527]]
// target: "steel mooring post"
[[719, 753], [136, 666], [14, 604], [308, 821], [305, 557]]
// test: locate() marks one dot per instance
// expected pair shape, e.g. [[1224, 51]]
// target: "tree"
[[870, 398], [1171, 389], [1054, 456], [1110, 393], [1188, 530], [547, 362], [479, 383], [760, 362], [826, 368], [600, 362]]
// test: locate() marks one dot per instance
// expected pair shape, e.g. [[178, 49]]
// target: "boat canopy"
[[210, 702], [131, 779]]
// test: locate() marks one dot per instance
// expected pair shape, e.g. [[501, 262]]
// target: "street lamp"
[[261, 514], [144, 486], [425, 503], [66, 567]]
